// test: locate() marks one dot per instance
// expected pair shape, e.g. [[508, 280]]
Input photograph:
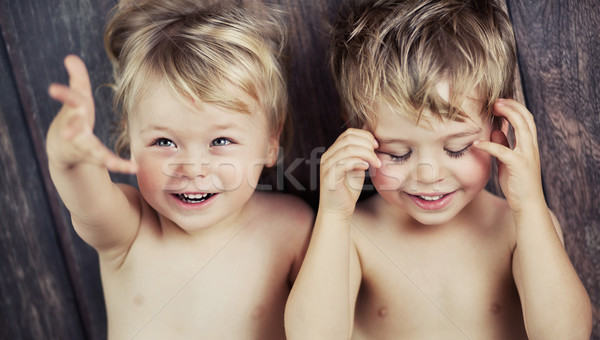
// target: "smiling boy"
[[196, 252], [433, 255]]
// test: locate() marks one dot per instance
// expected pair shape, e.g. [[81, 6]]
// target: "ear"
[[272, 151], [505, 126]]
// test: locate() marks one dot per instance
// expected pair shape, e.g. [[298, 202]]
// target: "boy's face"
[[430, 170], [198, 164]]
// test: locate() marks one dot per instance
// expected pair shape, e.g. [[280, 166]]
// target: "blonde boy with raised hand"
[[433, 255], [196, 252]]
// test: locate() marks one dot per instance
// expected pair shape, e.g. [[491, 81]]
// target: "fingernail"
[[500, 102]]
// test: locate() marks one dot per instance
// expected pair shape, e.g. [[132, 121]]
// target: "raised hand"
[[343, 170], [71, 139], [518, 168]]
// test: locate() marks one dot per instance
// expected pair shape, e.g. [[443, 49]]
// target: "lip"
[[190, 206], [432, 205]]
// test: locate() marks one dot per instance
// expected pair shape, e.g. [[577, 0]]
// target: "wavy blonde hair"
[[399, 50], [208, 53]]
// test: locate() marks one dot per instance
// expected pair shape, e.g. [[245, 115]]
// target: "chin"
[[432, 219]]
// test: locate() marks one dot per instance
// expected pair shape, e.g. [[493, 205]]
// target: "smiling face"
[[429, 169], [198, 164]]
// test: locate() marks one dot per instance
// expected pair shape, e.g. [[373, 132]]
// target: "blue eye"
[[164, 143], [221, 141], [459, 153], [398, 159]]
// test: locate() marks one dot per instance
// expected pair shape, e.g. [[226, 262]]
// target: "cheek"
[[150, 173], [232, 174], [475, 170], [389, 177]]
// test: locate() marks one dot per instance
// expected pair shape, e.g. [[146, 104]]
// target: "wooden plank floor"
[[49, 281]]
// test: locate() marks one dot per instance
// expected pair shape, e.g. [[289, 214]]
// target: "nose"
[[188, 166], [427, 171], [189, 169]]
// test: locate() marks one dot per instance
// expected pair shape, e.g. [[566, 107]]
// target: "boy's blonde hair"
[[207, 53], [399, 50]]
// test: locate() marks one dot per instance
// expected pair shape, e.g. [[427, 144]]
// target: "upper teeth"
[[194, 196], [431, 198]]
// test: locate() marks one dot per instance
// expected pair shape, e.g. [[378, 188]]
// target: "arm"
[[322, 300], [104, 214], [554, 301]]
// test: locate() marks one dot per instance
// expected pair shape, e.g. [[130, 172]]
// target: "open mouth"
[[432, 202], [431, 198], [194, 198]]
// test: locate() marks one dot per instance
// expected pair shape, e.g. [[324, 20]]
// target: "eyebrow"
[[156, 127], [466, 133]]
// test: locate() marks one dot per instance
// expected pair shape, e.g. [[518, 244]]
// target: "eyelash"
[[227, 141], [400, 159], [458, 154], [159, 140], [452, 154]]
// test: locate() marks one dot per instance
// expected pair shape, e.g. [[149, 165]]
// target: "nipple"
[[496, 308], [258, 312], [138, 300], [382, 312]]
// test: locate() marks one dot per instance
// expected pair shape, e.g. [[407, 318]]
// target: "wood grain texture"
[[37, 300], [558, 49], [49, 284], [313, 98], [38, 35]]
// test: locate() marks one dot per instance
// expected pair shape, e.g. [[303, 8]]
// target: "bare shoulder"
[[287, 221], [500, 214], [284, 215], [368, 212], [285, 208], [495, 219], [115, 248], [497, 207]]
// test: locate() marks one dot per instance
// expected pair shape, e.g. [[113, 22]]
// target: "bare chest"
[[452, 288], [218, 294]]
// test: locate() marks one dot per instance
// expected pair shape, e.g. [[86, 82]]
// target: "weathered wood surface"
[[37, 36], [559, 56], [37, 300], [49, 281]]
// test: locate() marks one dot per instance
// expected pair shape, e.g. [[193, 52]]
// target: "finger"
[[500, 151], [76, 125], [500, 138], [352, 166], [348, 140], [529, 119], [523, 134], [351, 151], [79, 79], [101, 155], [523, 112], [91, 149], [359, 134], [65, 95], [115, 163]]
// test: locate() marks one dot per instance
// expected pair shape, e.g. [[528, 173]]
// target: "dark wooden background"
[[49, 281]]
